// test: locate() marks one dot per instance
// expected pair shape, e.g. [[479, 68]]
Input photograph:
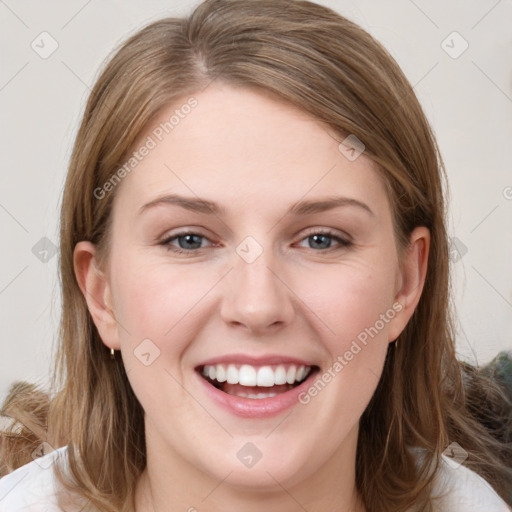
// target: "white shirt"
[[31, 488]]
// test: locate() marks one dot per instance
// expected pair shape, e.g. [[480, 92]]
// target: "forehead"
[[246, 149]]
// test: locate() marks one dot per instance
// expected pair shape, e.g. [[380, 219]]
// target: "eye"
[[188, 242], [322, 239]]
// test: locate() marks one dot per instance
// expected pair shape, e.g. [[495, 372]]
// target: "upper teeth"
[[247, 375]]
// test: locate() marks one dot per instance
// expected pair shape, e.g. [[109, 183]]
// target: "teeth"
[[280, 375], [264, 376], [290, 376], [233, 375], [247, 376], [221, 373], [257, 395]]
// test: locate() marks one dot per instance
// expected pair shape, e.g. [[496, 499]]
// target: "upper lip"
[[269, 359]]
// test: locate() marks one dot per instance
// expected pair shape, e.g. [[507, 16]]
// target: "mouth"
[[255, 382]]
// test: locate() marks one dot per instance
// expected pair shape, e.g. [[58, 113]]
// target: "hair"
[[25, 411], [325, 65]]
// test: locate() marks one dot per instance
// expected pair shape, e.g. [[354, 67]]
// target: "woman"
[[254, 269]]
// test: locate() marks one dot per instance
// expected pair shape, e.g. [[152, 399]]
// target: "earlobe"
[[413, 272], [96, 290]]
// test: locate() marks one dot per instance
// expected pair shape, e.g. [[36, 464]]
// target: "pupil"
[[325, 245], [189, 239]]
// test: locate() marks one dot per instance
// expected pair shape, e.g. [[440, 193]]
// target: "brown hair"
[[322, 63], [24, 414]]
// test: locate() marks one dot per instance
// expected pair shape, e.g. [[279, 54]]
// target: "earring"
[[112, 353]]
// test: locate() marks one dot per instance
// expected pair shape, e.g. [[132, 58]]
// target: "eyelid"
[[165, 240], [310, 231], [327, 231], [187, 230], [343, 239]]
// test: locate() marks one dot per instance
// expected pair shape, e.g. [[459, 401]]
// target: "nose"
[[256, 295]]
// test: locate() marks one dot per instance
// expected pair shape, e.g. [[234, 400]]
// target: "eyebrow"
[[300, 208]]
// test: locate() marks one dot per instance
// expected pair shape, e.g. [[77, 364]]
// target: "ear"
[[411, 279], [96, 290]]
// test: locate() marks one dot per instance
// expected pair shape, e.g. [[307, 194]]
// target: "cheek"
[[158, 300], [157, 307], [155, 300], [165, 302], [353, 299], [357, 307], [150, 299]]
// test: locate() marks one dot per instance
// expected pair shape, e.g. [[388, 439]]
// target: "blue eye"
[[323, 240], [189, 243]]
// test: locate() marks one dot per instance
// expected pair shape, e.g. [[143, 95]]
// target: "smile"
[[247, 380], [252, 390]]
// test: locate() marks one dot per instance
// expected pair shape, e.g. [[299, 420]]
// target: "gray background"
[[467, 98]]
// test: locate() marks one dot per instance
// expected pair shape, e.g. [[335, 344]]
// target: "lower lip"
[[257, 407]]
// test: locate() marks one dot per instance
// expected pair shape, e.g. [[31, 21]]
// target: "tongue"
[[235, 389]]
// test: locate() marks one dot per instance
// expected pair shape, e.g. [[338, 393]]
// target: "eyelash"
[[343, 243]]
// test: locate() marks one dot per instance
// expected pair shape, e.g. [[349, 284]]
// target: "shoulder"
[[461, 489], [32, 486]]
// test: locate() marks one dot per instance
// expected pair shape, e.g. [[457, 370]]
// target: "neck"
[[331, 488]]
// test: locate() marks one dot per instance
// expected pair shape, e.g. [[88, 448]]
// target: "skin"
[[255, 156]]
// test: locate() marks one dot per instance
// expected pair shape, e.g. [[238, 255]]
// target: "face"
[[253, 327]]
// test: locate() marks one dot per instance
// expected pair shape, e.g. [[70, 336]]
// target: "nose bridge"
[[255, 296]]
